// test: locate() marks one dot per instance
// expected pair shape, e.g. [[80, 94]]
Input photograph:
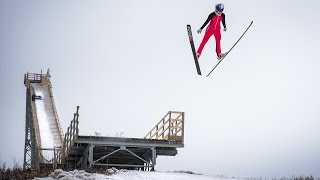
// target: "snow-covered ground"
[[129, 175]]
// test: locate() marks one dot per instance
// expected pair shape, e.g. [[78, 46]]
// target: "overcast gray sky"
[[126, 63]]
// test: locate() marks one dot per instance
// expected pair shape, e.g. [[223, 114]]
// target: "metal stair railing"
[[170, 128]]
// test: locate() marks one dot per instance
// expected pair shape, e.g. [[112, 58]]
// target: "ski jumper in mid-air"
[[215, 19]]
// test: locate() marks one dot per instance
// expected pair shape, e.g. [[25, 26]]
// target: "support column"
[[90, 159], [54, 158], [27, 143], [154, 157], [86, 157]]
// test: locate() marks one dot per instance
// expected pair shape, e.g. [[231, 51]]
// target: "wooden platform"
[[128, 153]]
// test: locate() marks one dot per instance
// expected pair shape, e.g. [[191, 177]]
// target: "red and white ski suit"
[[213, 29]]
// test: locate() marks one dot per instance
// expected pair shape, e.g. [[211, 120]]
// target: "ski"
[[193, 49], [230, 49]]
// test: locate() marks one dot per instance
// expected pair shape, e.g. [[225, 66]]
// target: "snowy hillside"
[[128, 175]]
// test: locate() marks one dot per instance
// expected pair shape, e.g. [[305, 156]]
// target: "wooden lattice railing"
[[47, 77], [71, 135], [170, 127]]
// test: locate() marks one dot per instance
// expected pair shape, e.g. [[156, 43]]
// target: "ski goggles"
[[219, 12]]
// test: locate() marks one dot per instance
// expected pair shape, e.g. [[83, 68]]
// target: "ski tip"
[[251, 22], [188, 27]]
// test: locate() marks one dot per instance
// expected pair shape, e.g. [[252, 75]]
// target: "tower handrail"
[[33, 77], [170, 127]]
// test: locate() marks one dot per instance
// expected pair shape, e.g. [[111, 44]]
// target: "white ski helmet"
[[219, 7]]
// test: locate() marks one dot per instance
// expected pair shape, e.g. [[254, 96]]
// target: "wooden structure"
[[129, 153], [80, 151], [35, 152]]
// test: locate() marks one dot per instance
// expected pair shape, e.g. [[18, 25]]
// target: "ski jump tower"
[[45, 143], [44, 134]]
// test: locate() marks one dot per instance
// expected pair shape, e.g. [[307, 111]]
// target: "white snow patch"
[[128, 175]]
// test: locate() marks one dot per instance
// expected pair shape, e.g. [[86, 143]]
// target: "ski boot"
[[198, 56], [221, 56]]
